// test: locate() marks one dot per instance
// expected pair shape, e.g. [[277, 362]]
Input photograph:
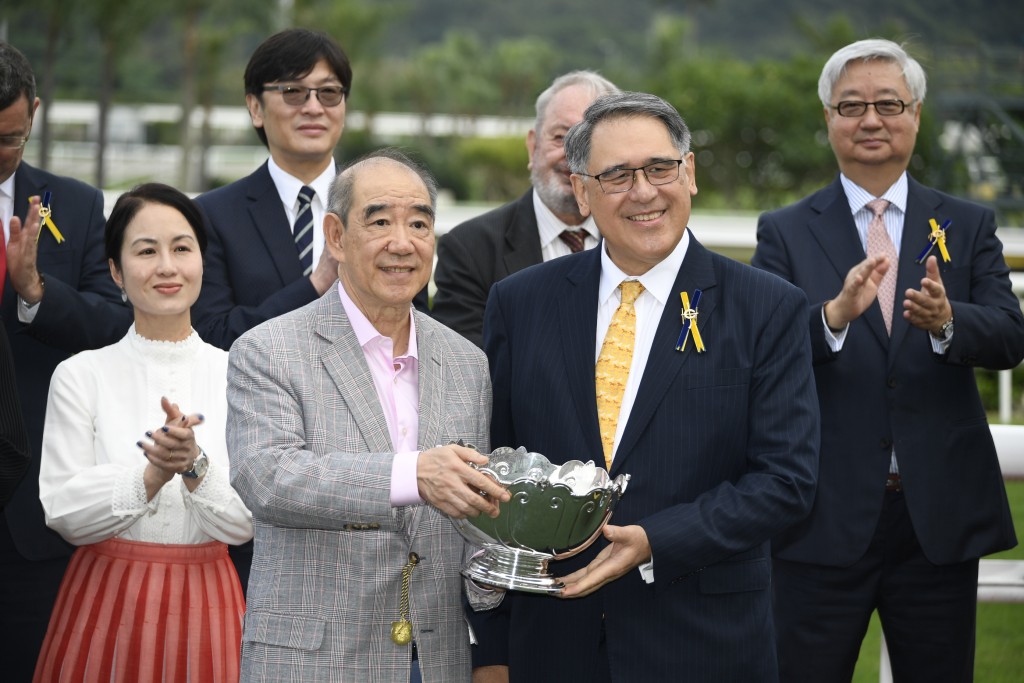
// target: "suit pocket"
[[285, 630], [736, 577]]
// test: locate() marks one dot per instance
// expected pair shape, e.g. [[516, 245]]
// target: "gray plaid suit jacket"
[[311, 457]]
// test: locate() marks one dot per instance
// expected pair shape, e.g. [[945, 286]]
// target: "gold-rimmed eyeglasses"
[[621, 179]]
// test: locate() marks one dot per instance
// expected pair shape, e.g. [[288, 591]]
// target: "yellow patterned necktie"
[[613, 365]]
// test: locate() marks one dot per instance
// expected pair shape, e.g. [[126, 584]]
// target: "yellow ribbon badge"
[[45, 212], [689, 316], [936, 236]]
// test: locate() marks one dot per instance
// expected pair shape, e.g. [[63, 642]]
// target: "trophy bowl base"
[[513, 569]]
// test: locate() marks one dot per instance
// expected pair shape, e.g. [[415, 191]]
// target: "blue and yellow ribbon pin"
[[45, 212], [690, 323], [936, 236]]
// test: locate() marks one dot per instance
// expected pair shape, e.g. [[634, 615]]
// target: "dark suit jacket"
[[721, 447], [14, 449], [476, 254], [81, 309], [877, 392], [252, 270]]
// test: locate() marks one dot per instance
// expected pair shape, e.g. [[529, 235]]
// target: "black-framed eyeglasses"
[[621, 179], [854, 108], [13, 141], [297, 95]]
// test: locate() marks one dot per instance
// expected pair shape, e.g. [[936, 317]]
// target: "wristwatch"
[[946, 329], [199, 466]]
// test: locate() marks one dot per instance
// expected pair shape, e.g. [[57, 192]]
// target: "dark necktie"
[[574, 238], [3, 262], [303, 229]]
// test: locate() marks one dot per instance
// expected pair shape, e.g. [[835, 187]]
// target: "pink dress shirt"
[[397, 382]]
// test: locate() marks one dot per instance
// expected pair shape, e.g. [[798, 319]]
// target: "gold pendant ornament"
[[401, 630]]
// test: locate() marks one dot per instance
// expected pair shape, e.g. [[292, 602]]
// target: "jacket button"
[[891, 383], [885, 444]]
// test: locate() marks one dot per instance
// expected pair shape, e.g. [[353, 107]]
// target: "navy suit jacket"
[[476, 254], [721, 446], [252, 270], [81, 309], [878, 393], [14, 449]]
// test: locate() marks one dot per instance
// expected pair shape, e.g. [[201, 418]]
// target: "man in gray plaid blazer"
[[336, 413]]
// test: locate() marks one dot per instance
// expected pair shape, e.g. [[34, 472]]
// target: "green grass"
[[1000, 635]]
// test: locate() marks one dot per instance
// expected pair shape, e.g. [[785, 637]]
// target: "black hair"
[[291, 54], [131, 202]]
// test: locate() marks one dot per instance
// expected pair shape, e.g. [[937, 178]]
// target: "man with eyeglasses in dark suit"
[[56, 298], [910, 493], [266, 254], [259, 264]]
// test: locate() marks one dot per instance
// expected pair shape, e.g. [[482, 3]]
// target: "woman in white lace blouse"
[[134, 471]]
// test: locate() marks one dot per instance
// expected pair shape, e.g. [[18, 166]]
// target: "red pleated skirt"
[[134, 612]]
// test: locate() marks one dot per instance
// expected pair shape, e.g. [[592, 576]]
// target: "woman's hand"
[[172, 448]]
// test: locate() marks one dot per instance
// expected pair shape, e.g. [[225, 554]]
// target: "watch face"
[[201, 464]]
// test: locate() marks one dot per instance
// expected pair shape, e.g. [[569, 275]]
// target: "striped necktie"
[[613, 364], [879, 244], [574, 239], [303, 229]]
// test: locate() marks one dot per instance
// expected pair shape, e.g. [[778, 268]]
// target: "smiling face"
[[642, 226], [873, 150], [302, 137], [386, 248], [549, 171], [161, 271]]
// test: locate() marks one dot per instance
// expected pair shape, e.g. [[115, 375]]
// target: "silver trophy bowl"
[[555, 512]]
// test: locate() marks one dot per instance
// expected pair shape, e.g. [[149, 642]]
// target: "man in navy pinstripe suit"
[[910, 493], [721, 444]]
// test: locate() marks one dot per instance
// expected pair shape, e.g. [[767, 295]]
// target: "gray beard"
[[550, 191]]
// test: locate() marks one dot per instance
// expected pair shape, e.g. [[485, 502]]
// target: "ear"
[[333, 236], [690, 169], [579, 188], [531, 144], [35, 105], [255, 107], [115, 274]]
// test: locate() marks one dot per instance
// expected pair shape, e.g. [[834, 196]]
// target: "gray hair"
[[16, 77], [622, 105], [866, 51], [591, 80], [339, 199]]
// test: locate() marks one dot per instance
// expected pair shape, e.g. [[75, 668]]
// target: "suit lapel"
[[432, 418], [522, 244], [920, 207], [577, 305], [836, 233], [344, 361], [664, 363], [271, 223]]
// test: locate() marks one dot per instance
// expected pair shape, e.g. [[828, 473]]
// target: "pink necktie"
[[880, 244]]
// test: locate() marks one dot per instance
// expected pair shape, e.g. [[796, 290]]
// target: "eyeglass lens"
[[622, 179]]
